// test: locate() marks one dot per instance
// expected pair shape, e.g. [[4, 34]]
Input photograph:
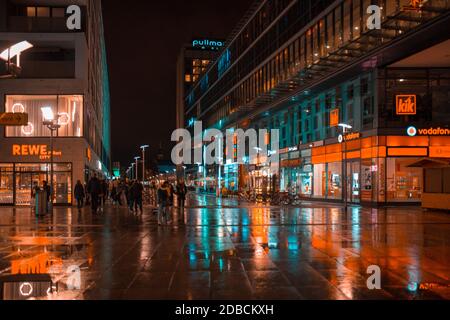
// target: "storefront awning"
[[430, 163]]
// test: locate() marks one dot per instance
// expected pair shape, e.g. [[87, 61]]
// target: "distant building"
[[193, 60]]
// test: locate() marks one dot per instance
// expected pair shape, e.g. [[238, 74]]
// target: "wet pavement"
[[229, 250]]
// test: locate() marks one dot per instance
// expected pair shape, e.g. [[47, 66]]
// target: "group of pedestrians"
[[165, 195], [130, 193], [96, 192]]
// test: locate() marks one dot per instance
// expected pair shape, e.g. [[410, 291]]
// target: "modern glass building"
[[66, 70], [305, 66]]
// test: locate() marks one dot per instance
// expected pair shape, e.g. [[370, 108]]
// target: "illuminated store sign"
[[413, 131], [349, 137], [33, 150], [334, 118], [406, 104], [207, 44]]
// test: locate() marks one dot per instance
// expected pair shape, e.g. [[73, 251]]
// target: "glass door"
[[6, 184], [353, 182]]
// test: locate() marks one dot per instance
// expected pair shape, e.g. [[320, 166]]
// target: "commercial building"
[[305, 66], [192, 61], [66, 70]]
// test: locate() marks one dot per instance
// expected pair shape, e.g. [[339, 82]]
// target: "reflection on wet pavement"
[[229, 250]]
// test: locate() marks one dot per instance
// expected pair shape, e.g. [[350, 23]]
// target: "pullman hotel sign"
[[34, 150]]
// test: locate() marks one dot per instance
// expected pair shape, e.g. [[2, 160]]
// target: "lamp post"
[[342, 139], [51, 122], [137, 167], [143, 161]]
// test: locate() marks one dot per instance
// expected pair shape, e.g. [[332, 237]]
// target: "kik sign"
[[406, 104]]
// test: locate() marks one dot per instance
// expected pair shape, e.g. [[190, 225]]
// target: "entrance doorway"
[[354, 182]]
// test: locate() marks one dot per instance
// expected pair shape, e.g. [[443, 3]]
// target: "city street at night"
[[231, 251], [211, 159]]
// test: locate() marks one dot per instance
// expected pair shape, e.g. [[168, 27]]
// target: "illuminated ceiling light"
[[48, 114], [28, 130], [18, 105], [64, 119], [15, 51]]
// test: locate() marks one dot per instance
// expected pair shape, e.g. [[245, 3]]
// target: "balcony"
[[37, 24]]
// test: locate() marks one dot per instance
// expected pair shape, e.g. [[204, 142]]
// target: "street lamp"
[[51, 122], [143, 161], [137, 167], [345, 128]]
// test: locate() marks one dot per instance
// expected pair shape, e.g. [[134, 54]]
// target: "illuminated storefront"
[[26, 151]]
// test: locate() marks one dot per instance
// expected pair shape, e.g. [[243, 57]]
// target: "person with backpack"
[[94, 188]]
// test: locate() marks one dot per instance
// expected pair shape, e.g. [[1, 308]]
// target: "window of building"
[[69, 108], [31, 11], [43, 12], [58, 12], [187, 78], [404, 184]]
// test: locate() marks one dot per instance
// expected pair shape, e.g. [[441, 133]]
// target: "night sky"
[[143, 40]]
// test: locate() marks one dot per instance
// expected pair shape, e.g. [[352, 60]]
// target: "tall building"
[[306, 66], [192, 61], [65, 70]]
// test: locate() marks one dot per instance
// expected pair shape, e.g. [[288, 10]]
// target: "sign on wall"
[[13, 119], [406, 104], [334, 117]]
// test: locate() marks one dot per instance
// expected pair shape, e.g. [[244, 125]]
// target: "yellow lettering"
[[34, 150], [44, 150], [16, 150], [25, 150]]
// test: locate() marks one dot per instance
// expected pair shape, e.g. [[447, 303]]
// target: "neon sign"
[[406, 104], [38, 150], [207, 44], [413, 131]]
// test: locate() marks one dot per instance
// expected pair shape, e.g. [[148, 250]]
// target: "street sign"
[[13, 119]]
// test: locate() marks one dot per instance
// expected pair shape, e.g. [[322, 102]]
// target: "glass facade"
[[16, 182], [311, 68], [69, 108]]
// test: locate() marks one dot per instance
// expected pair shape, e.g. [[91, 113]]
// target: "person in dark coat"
[[136, 189], [79, 194], [94, 188]]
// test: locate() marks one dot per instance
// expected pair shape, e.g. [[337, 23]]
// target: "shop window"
[[69, 108], [320, 177], [403, 183], [334, 180]]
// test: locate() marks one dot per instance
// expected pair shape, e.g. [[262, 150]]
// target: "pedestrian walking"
[[137, 189], [48, 193], [181, 191], [94, 188], [163, 203], [79, 194], [130, 196]]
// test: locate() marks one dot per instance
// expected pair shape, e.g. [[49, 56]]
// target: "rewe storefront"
[[24, 161]]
